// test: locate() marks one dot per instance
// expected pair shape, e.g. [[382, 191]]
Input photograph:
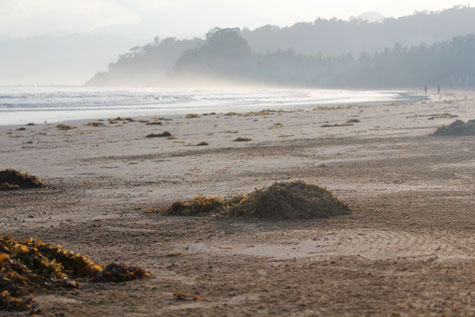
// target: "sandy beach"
[[407, 249]]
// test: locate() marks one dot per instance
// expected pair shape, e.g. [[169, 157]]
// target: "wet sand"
[[407, 249]]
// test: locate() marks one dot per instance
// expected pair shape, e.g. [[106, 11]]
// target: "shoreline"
[[406, 248], [142, 110]]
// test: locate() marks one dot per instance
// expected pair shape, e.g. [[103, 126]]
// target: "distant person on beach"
[[425, 89], [438, 89]]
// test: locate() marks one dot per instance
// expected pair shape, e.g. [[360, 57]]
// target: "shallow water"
[[24, 104]]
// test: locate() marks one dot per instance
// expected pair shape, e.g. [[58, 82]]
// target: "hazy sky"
[[186, 17]]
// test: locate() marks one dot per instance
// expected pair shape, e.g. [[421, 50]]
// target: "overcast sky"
[[185, 18]]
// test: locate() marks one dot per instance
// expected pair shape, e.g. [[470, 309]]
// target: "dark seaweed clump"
[[160, 135], [28, 266], [242, 139], [457, 128], [198, 206], [118, 273], [295, 200], [12, 180]]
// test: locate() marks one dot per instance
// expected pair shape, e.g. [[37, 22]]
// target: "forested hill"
[[336, 37], [226, 54]]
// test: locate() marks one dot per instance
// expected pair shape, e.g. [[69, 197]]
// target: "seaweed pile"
[[95, 124], [198, 206], [118, 273], [65, 127], [12, 180], [159, 135], [242, 139], [31, 265], [264, 112], [346, 124], [457, 128], [295, 200]]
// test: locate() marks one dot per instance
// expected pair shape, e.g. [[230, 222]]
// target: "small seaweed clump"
[[457, 128], [118, 273], [12, 180], [95, 124], [347, 124], [242, 139], [160, 135], [154, 123], [192, 116], [65, 127], [295, 200], [198, 206], [30, 265]]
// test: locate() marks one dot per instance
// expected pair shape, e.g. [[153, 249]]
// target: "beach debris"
[[12, 180], [179, 295], [21, 129], [202, 144], [161, 119], [242, 139], [353, 121], [160, 135], [445, 115], [192, 116], [457, 128], [198, 206], [154, 123], [174, 254], [65, 127], [294, 200], [333, 108], [118, 273], [31, 124], [433, 116], [95, 124], [276, 125], [337, 125], [7, 186], [28, 266], [264, 112], [124, 120]]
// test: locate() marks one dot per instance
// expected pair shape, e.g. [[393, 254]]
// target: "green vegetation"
[[410, 51]]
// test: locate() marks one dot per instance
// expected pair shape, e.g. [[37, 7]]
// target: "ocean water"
[[24, 104]]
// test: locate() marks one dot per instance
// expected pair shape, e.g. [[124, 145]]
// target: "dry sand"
[[407, 249]]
